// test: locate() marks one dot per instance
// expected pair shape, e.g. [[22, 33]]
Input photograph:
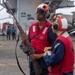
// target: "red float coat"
[[67, 63], [39, 37]]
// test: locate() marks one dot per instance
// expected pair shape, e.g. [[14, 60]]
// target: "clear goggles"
[[40, 11]]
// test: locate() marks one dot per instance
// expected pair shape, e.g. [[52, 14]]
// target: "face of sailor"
[[40, 17], [40, 14]]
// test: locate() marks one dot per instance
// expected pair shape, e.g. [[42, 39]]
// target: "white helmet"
[[60, 22], [42, 8]]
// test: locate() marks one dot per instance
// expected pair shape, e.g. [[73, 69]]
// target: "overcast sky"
[[3, 15]]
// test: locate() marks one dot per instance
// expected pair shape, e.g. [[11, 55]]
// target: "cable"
[[17, 56]]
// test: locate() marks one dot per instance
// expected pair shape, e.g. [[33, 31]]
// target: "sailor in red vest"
[[40, 36], [61, 56]]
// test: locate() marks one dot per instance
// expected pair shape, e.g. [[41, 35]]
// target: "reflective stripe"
[[34, 29], [56, 45], [44, 31], [65, 35]]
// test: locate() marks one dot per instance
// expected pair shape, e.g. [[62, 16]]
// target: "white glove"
[[47, 53]]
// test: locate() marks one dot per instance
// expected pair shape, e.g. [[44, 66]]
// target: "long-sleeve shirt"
[[57, 56], [51, 36]]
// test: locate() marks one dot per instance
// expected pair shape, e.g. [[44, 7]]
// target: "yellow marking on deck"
[[3, 65], [10, 64]]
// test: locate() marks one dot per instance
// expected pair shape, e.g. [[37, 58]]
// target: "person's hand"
[[36, 56], [24, 37], [47, 49], [24, 48]]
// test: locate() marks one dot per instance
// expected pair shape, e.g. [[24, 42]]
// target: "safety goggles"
[[40, 11]]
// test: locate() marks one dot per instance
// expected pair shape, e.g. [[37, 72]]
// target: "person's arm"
[[57, 54], [22, 46], [36, 56], [51, 36]]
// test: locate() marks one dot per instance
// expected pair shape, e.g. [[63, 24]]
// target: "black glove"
[[24, 48]]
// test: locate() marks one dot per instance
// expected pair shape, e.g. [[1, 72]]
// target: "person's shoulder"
[[61, 44], [35, 23], [49, 23]]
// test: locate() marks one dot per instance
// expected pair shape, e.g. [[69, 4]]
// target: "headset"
[[55, 26], [55, 22], [47, 14]]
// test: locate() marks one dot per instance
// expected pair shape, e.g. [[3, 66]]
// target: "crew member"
[[61, 56], [40, 36], [8, 32]]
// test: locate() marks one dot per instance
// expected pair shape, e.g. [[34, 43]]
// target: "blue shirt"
[[8, 29], [13, 30], [57, 56], [51, 36]]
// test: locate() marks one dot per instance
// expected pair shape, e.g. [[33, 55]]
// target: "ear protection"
[[47, 15], [55, 26]]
